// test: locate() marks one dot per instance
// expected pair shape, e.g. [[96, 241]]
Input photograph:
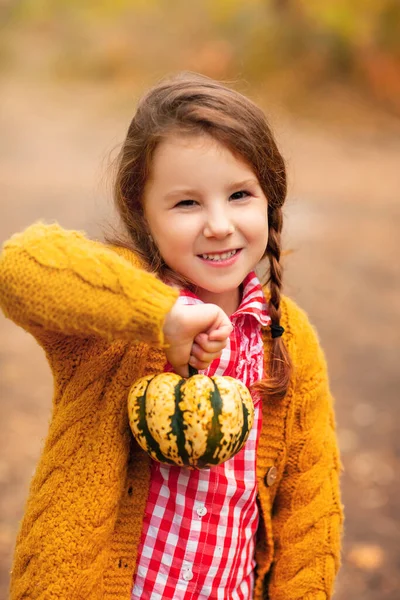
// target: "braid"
[[276, 385], [275, 268]]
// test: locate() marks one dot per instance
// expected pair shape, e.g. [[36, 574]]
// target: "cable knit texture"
[[98, 316]]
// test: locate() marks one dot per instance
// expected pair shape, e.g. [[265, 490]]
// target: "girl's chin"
[[209, 290]]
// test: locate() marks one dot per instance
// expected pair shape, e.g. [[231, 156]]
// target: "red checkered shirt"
[[199, 526]]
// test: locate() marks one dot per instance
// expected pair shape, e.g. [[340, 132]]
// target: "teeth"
[[217, 257]]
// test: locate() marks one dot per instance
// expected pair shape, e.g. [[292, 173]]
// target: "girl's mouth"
[[222, 259], [222, 256]]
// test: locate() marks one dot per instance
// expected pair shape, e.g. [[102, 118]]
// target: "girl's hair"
[[189, 103]]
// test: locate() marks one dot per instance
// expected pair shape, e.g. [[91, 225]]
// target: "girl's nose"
[[218, 225]]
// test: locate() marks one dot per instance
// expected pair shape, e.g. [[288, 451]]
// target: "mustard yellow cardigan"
[[98, 317]]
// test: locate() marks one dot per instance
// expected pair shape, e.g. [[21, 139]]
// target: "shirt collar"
[[253, 300]]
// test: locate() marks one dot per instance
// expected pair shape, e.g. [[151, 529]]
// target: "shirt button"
[[187, 575], [201, 511], [271, 476]]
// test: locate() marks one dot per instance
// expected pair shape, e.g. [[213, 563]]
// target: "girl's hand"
[[195, 333]]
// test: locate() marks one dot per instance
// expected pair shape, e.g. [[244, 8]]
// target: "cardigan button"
[[271, 476]]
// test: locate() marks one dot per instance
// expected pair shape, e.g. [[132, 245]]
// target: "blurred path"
[[343, 225]]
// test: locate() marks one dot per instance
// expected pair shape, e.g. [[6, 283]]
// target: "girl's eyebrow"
[[181, 192], [190, 193], [242, 184]]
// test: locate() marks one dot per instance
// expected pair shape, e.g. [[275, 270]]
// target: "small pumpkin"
[[195, 422]]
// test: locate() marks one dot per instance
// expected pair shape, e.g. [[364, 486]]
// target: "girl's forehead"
[[181, 141], [180, 150]]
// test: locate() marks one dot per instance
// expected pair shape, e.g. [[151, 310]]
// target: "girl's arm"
[[308, 516], [53, 280]]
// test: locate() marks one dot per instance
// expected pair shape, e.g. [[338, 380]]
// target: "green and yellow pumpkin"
[[195, 422]]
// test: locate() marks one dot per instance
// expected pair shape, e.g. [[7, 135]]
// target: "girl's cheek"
[[186, 227]]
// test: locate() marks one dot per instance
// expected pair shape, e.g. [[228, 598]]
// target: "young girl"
[[200, 187]]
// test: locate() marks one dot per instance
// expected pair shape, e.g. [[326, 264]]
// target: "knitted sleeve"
[[60, 281], [308, 517]]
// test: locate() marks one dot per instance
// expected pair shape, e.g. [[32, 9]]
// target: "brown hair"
[[193, 104]]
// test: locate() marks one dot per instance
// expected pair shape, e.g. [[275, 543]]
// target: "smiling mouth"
[[219, 257]]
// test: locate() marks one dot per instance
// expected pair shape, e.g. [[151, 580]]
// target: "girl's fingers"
[[198, 364], [207, 345], [202, 355], [207, 324], [222, 333]]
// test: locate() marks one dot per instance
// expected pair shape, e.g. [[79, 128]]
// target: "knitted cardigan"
[[98, 316]]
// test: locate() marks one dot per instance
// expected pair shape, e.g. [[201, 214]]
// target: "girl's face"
[[207, 214]]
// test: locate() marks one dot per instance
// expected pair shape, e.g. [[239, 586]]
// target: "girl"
[[200, 187]]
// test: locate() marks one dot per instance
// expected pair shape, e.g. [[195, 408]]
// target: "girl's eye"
[[239, 195], [186, 203]]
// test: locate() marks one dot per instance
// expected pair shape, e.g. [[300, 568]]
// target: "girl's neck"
[[229, 301]]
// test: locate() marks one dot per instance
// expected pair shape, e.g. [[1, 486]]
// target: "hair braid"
[[275, 267], [276, 384]]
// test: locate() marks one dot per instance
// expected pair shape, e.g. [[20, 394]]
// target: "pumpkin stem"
[[192, 371]]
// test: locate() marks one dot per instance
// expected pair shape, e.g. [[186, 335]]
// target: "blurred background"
[[328, 76]]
